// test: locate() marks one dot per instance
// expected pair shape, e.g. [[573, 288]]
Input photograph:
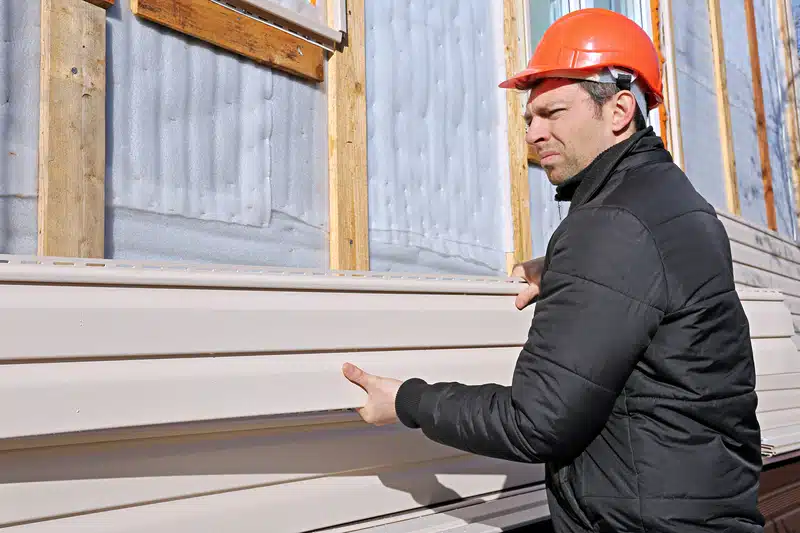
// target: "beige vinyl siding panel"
[[209, 399], [175, 405], [762, 258]]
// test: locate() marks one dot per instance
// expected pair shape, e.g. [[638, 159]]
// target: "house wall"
[[775, 85], [436, 136], [210, 157], [19, 125], [739, 78]]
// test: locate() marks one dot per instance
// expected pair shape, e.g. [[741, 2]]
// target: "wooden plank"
[[672, 104], [761, 119], [227, 29], [105, 4], [723, 108], [518, 151], [790, 54], [655, 24], [347, 144], [72, 129]]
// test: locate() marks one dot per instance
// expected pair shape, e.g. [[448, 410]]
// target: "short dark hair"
[[601, 93]]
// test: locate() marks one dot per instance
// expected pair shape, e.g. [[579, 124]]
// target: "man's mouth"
[[545, 155]]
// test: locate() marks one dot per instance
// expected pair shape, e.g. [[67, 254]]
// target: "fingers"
[[526, 296], [357, 376]]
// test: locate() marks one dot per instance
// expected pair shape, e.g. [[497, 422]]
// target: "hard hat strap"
[[625, 81]]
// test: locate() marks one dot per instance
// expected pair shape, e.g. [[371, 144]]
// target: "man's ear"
[[623, 111]]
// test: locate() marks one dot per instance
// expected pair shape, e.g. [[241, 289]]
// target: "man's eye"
[[553, 113]]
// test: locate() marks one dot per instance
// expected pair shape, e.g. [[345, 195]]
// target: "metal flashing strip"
[[54, 270], [315, 29]]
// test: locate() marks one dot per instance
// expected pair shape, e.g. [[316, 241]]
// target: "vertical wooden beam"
[[789, 40], [723, 108], [347, 143], [655, 23], [517, 148], [72, 129], [761, 118], [672, 103]]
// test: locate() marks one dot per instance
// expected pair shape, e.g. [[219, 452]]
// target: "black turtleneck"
[[583, 185]]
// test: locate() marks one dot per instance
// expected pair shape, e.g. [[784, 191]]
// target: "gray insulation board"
[[19, 124], [776, 95], [742, 112], [437, 141], [210, 157], [702, 151]]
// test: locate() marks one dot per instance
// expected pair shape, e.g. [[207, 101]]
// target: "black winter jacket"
[[636, 384]]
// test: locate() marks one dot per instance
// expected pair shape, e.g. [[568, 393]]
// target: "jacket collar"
[[584, 185]]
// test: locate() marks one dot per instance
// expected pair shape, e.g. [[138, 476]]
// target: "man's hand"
[[530, 271], [381, 394]]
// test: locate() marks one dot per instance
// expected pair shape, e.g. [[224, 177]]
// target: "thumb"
[[357, 376]]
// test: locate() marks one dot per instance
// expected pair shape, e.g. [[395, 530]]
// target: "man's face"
[[564, 128]]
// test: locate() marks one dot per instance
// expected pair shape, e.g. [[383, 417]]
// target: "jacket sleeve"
[[603, 295]]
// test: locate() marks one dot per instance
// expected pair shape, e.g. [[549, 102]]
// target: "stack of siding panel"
[[777, 371]]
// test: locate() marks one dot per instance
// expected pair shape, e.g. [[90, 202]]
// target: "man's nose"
[[537, 131]]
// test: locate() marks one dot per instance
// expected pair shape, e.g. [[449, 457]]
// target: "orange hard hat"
[[588, 40]]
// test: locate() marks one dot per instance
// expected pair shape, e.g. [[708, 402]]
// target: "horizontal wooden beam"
[[230, 30]]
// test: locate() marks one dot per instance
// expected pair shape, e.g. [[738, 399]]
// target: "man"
[[636, 383]]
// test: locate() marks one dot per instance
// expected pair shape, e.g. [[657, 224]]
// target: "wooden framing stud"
[[655, 23], [228, 29], [789, 40], [518, 151], [72, 129], [761, 119], [347, 144], [723, 108]]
